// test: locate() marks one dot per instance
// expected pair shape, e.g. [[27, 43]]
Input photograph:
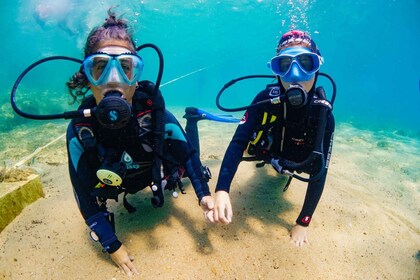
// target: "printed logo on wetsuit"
[[128, 161], [323, 102], [298, 141], [306, 219], [274, 92], [244, 118]]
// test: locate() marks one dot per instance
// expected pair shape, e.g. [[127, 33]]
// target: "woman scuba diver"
[[288, 125], [122, 148]]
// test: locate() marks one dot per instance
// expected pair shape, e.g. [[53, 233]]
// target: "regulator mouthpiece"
[[296, 95], [113, 112]]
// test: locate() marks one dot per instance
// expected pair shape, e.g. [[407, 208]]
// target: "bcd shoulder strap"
[[83, 128], [150, 112]]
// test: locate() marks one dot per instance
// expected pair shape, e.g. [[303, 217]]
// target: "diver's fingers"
[[229, 213], [126, 269], [224, 216], [209, 215]]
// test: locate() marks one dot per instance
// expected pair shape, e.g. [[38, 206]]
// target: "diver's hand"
[[298, 235], [207, 204], [222, 208], [124, 261]]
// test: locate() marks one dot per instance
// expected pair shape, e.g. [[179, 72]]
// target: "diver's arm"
[[312, 197], [195, 173], [193, 167], [315, 189], [237, 146], [298, 234], [233, 157], [181, 150], [83, 178], [223, 212]]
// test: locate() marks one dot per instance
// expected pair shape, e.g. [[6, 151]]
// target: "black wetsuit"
[[292, 136], [130, 148]]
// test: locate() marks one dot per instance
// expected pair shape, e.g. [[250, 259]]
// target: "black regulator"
[[113, 112]]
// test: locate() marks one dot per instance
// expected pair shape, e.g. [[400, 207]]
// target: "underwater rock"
[[15, 196]]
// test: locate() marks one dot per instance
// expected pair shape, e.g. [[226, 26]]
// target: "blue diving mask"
[[296, 64], [101, 68]]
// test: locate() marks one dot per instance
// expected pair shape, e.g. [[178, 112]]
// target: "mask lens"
[[98, 66], [284, 63], [95, 66], [306, 61], [131, 66], [280, 65]]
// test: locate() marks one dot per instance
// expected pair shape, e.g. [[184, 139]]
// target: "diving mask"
[[101, 68], [296, 64]]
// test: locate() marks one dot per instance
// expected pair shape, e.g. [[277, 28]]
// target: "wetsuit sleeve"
[[182, 152], [315, 189], [82, 169], [237, 146]]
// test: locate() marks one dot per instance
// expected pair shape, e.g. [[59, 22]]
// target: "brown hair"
[[113, 28]]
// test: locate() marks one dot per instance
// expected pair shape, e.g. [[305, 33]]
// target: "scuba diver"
[[123, 148], [288, 125], [121, 139]]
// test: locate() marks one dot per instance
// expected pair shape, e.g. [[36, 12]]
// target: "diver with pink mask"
[[288, 125]]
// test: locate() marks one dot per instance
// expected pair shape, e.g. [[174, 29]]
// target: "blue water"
[[370, 49]]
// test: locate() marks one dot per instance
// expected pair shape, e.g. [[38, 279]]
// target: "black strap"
[[130, 208]]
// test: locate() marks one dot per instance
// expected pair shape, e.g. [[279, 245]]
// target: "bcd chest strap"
[[262, 138], [277, 127]]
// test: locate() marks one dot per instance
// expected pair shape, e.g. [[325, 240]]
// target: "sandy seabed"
[[365, 227]]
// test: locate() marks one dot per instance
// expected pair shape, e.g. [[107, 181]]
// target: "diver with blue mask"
[[288, 125], [121, 139], [132, 143]]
